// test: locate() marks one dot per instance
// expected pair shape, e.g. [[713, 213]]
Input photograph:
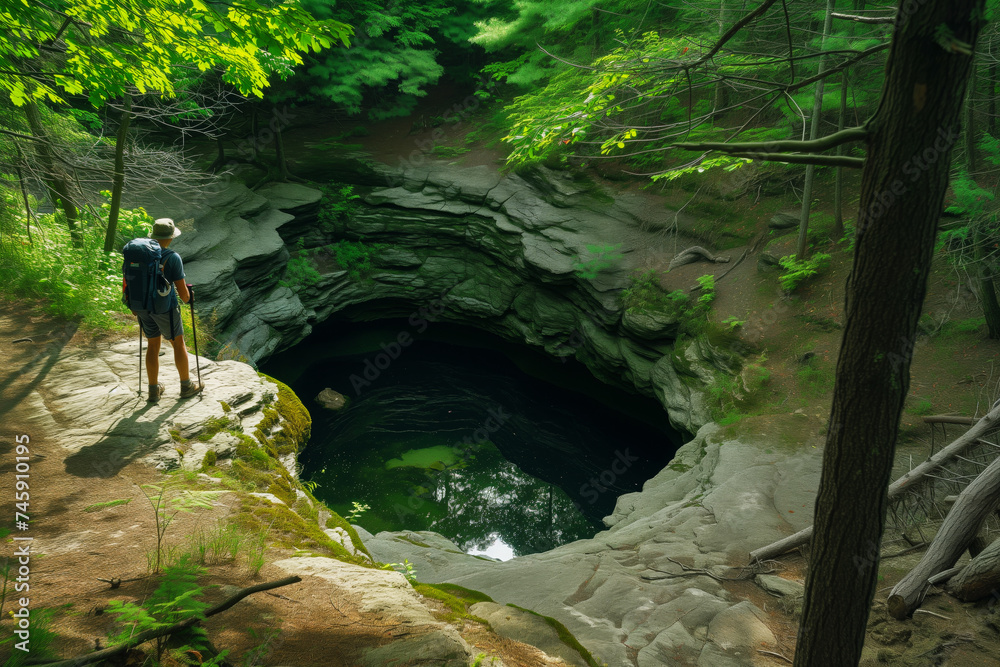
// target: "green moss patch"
[[459, 608], [296, 423], [337, 521], [564, 635], [466, 594]]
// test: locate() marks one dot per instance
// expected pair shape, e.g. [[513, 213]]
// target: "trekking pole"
[[194, 332], [140, 355]]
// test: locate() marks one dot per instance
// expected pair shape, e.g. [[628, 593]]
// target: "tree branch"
[[821, 144], [160, 632], [807, 158], [864, 19], [733, 30]]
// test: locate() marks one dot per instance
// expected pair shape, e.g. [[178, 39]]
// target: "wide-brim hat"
[[163, 229]]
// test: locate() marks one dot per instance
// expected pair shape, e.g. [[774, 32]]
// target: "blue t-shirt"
[[173, 269]]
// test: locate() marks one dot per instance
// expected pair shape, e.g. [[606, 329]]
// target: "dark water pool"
[[504, 451]]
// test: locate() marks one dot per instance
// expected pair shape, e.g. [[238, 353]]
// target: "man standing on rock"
[[165, 318]]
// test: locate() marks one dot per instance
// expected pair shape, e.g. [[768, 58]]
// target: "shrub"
[[600, 257], [75, 282], [797, 271], [644, 295], [337, 203], [358, 258]]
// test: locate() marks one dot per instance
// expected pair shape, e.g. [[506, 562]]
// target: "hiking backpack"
[[144, 286]]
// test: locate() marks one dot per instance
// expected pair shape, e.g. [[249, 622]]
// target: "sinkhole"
[[504, 450]]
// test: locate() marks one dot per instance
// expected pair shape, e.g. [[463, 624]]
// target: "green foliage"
[[358, 258], [174, 600], [922, 407], [798, 271], [300, 272], [707, 285], [167, 500], [564, 635], [644, 295], [245, 39], [75, 282], [357, 510], [732, 323], [405, 568], [337, 204], [395, 56], [600, 257], [42, 639]]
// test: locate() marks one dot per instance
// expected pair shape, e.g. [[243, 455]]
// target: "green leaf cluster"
[[798, 271], [107, 47]]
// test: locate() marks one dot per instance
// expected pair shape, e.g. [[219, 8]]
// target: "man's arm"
[[182, 290]]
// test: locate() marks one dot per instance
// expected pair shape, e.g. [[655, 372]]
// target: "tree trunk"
[[55, 180], [980, 577], [970, 124], [974, 505], [918, 119], [817, 111], [987, 289], [838, 189], [119, 178], [279, 149], [720, 101], [991, 89]]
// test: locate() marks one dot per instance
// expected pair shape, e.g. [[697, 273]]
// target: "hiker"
[[158, 311]]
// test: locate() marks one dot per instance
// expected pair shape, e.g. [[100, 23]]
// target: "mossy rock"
[[337, 521], [296, 423]]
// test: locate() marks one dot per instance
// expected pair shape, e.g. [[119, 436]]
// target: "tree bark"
[[55, 180], [980, 577], [989, 422], [918, 118], [991, 89], [838, 188], [817, 111], [970, 124], [973, 506], [119, 178]]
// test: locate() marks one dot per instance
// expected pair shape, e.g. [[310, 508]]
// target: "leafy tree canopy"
[[102, 48], [400, 47]]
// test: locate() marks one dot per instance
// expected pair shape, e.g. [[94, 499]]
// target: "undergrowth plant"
[[338, 203], [798, 271], [644, 295], [174, 600], [77, 282], [167, 501], [358, 258], [356, 511]]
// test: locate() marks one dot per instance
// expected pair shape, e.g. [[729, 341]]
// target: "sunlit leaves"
[[111, 46]]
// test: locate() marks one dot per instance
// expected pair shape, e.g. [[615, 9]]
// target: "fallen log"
[[143, 637], [691, 255], [949, 419], [980, 578], [989, 421], [976, 502]]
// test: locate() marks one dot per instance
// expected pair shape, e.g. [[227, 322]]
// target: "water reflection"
[[460, 442]]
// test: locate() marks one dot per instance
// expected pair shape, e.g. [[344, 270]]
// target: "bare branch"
[[807, 158], [821, 144], [864, 19]]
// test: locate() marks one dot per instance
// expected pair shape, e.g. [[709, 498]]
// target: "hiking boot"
[[191, 388], [155, 391]]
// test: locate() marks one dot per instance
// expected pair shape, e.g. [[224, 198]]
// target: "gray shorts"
[[157, 324]]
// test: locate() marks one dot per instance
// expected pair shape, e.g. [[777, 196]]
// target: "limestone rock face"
[[388, 594], [508, 254]]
